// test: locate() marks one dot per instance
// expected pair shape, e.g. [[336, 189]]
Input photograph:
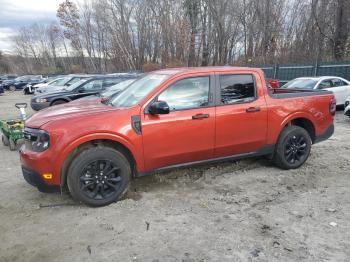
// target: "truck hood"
[[66, 111]]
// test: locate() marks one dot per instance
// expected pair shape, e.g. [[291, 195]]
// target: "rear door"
[[241, 115], [186, 134]]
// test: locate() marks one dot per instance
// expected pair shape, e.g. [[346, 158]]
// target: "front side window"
[[93, 85], [111, 81], [325, 84], [187, 93], [237, 89]]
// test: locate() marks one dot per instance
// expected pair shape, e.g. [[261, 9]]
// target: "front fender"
[[98, 136]]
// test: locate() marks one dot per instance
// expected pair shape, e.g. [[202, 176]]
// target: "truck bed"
[[296, 92]]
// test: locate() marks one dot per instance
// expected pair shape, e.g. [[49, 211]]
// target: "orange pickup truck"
[[168, 119]]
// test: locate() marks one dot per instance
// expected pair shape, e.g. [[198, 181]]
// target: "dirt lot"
[[235, 211]]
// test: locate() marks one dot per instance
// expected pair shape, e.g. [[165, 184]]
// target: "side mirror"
[[159, 108]]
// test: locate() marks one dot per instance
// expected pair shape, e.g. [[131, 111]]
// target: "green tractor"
[[12, 130]]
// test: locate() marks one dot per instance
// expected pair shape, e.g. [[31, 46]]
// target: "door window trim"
[[218, 101]]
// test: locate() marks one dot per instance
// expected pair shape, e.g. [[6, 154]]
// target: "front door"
[[241, 115], [186, 134]]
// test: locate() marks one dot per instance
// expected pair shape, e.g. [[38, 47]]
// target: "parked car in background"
[[30, 88], [7, 77], [108, 93], [347, 106], [1, 90], [20, 82], [82, 88], [65, 82], [168, 119], [339, 86]]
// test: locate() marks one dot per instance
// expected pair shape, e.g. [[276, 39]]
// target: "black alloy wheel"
[[99, 176], [100, 179], [295, 149]]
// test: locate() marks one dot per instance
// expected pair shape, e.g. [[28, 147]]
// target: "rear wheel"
[[293, 148], [5, 140], [58, 102], [99, 176]]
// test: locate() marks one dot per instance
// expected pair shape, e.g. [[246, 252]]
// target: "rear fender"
[[290, 118]]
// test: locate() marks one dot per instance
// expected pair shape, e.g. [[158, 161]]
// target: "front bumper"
[[35, 164], [38, 106], [327, 134], [36, 180]]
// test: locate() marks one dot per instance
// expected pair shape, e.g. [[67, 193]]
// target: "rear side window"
[[338, 82], [237, 89]]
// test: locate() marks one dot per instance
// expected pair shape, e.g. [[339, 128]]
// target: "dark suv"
[[82, 88], [20, 82]]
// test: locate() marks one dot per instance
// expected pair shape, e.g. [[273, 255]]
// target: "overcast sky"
[[17, 13]]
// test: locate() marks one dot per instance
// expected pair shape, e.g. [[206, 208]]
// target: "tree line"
[[121, 35]]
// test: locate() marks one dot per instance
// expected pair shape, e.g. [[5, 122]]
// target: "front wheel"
[[5, 140], [12, 144], [293, 148], [99, 176]]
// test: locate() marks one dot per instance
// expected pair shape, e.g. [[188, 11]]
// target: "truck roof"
[[174, 71]]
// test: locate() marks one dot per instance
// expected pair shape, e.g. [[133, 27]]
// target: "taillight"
[[333, 107]]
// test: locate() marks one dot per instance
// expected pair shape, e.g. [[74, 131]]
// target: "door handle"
[[253, 109], [200, 116]]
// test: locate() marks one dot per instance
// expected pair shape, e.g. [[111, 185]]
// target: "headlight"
[[40, 100], [346, 103], [36, 140]]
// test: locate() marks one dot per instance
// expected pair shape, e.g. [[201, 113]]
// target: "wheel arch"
[[99, 142], [60, 99], [303, 122]]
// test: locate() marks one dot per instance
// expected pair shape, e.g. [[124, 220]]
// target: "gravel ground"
[[235, 211]]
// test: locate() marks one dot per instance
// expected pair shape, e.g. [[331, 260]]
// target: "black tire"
[[58, 102], [98, 176], [293, 148], [12, 88], [5, 140], [12, 144]]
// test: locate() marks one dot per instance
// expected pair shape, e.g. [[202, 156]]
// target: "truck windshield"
[[301, 83], [138, 90]]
